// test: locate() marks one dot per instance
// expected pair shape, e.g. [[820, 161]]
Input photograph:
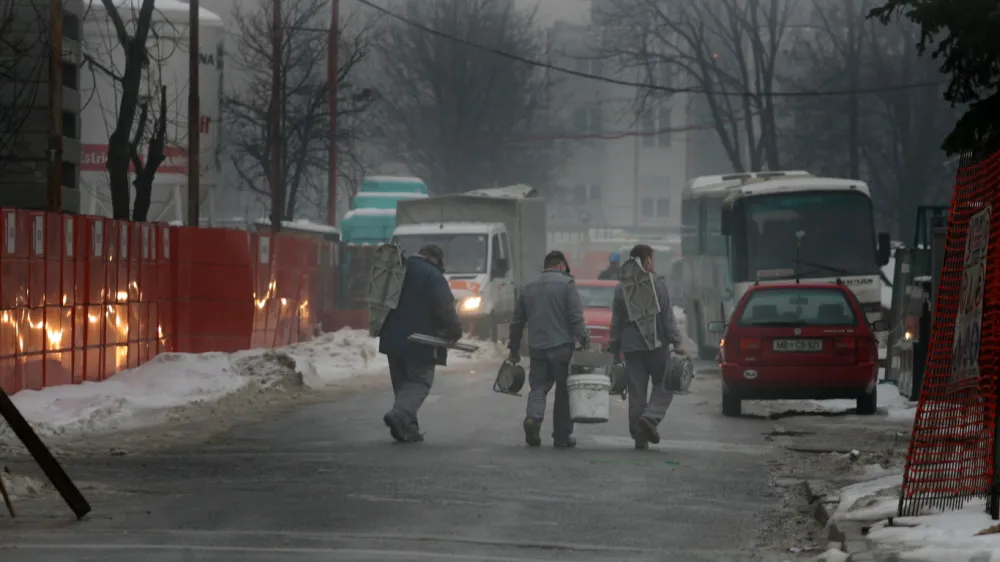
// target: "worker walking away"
[[613, 270], [642, 296], [551, 308], [426, 306]]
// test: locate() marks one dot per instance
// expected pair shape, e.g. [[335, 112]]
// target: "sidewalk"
[[174, 388]]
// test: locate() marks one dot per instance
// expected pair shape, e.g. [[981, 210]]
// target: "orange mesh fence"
[[82, 298], [951, 453]]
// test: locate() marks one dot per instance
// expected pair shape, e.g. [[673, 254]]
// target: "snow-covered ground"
[[896, 406], [18, 486], [965, 535], [150, 394]]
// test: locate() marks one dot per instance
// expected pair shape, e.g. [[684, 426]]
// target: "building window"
[[70, 175], [70, 76], [588, 120], [648, 130], [69, 125], [664, 124], [595, 192], [647, 207], [663, 207], [71, 26]]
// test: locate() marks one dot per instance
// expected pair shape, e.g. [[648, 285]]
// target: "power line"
[[619, 135], [615, 81]]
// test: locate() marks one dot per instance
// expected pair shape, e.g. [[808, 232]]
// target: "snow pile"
[[170, 385], [18, 486], [894, 405], [965, 535]]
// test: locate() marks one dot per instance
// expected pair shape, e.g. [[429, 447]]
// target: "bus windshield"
[[838, 240], [463, 253]]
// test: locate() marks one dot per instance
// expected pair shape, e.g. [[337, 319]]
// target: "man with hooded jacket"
[[426, 306], [645, 364]]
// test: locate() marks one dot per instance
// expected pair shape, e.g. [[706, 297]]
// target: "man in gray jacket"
[[551, 307], [642, 362]]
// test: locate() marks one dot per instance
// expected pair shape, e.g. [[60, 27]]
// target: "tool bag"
[[619, 384], [680, 373], [510, 379]]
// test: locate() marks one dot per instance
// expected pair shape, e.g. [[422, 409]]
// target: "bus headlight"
[[472, 303]]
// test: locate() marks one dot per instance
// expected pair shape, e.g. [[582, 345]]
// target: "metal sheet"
[[385, 285], [641, 302], [439, 342]]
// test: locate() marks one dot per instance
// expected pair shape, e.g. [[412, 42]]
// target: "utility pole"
[[853, 110], [277, 193], [194, 120], [54, 175], [332, 57], [636, 145]]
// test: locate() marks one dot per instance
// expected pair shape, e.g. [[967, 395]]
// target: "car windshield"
[[463, 253], [797, 307], [596, 297]]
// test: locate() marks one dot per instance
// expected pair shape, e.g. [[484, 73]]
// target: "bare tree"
[[897, 150], [452, 109], [719, 47], [134, 40], [305, 133], [23, 44]]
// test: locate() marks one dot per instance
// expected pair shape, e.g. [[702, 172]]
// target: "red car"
[[798, 341], [597, 297]]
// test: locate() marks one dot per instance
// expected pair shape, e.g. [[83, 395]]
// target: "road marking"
[[372, 498], [667, 445]]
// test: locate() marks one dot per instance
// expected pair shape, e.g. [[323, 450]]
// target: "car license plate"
[[798, 345]]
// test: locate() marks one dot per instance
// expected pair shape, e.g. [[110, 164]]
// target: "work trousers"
[[641, 368], [548, 368], [411, 383]]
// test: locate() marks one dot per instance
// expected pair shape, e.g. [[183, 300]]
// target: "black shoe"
[[648, 430], [395, 426], [415, 438], [532, 432], [641, 445], [567, 443]]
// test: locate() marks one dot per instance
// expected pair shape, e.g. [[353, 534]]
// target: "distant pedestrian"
[[614, 268], [551, 308], [645, 363], [426, 306]]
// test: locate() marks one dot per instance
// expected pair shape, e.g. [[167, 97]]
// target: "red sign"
[[94, 158]]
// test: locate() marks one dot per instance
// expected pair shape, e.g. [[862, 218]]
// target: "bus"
[[760, 227]]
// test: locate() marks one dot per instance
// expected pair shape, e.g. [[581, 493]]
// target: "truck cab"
[[477, 260]]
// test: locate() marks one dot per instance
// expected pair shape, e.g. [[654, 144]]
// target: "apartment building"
[[25, 113], [622, 168]]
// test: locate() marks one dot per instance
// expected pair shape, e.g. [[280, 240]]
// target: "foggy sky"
[[549, 11]]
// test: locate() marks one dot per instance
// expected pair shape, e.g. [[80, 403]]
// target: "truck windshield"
[[463, 253], [839, 236]]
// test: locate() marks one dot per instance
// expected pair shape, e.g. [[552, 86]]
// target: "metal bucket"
[[510, 379]]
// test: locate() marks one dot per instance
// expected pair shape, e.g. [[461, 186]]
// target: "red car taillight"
[[749, 345]]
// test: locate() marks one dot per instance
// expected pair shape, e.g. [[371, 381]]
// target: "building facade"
[[25, 113], [623, 168]]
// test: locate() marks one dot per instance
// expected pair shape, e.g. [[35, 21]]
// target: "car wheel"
[[732, 405], [867, 404]]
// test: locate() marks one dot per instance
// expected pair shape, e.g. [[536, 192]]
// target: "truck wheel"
[[867, 404], [732, 406], [493, 329]]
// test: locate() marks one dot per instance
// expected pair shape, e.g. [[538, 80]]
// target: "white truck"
[[493, 242]]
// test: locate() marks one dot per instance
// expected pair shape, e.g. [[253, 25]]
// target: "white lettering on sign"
[[145, 242], [265, 250], [68, 235], [38, 240], [166, 243], [969, 321], [10, 222], [98, 238], [123, 240], [868, 281]]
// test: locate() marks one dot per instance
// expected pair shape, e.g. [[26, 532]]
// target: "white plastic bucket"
[[589, 398]]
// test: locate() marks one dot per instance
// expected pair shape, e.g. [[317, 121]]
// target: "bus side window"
[[714, 243], [689, 226]]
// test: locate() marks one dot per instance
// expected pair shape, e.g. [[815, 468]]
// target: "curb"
[[850, 535]]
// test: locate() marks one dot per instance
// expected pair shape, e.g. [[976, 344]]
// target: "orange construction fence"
[[952, 453], [82, 298]]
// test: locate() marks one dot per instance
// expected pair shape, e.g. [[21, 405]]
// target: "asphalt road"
[[325, 482]]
